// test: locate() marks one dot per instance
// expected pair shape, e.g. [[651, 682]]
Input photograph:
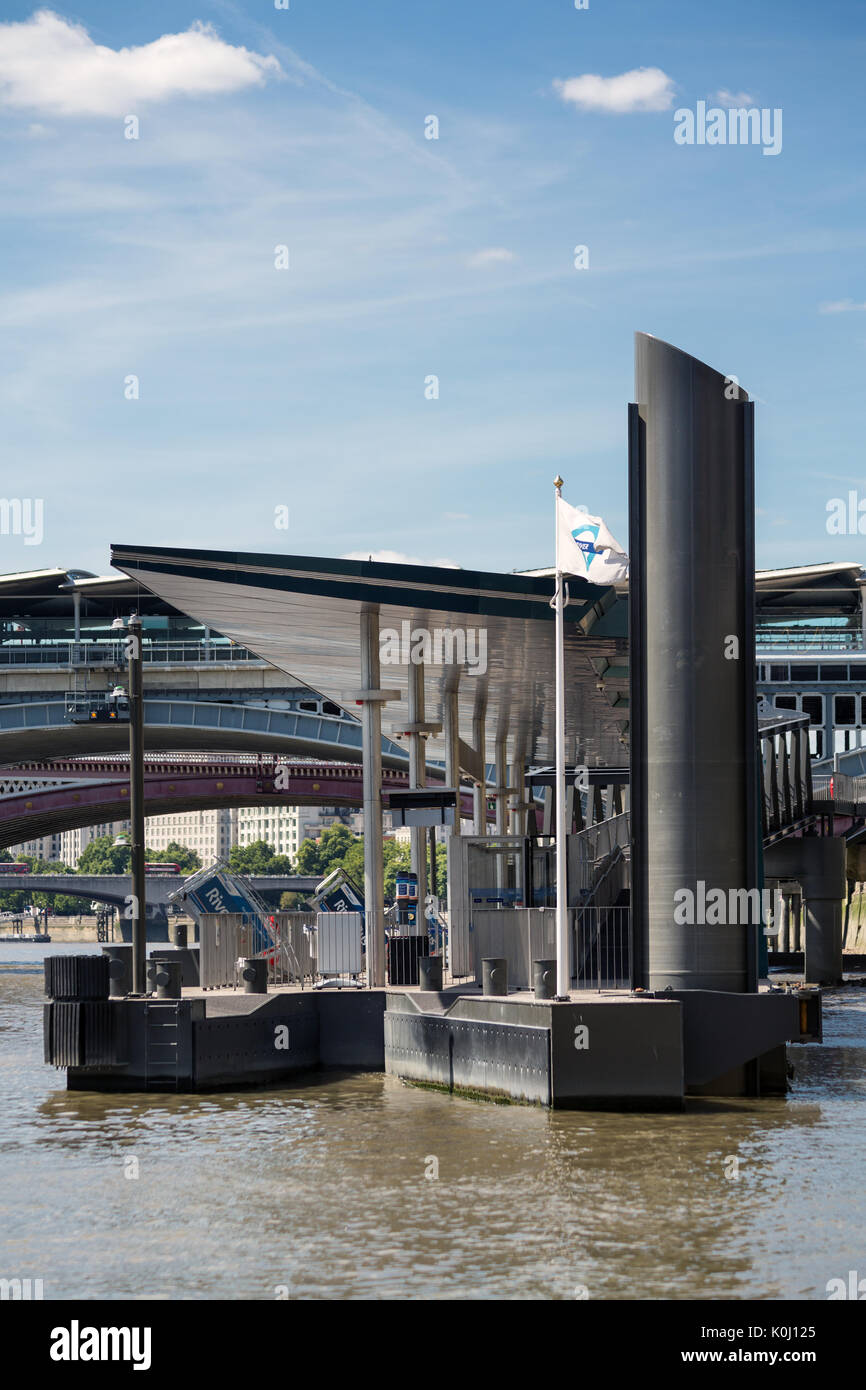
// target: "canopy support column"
[[418, 778], [371, 698], [480, 746]]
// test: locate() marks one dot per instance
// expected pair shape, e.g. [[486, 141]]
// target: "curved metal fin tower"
[[693, 704]]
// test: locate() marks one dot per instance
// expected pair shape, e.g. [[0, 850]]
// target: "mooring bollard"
[[177, 934], [544, 978], [119, 970], [254, 974], [167, 978], [494, 975], [430, 972]]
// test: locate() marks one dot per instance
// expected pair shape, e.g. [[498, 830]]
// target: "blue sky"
[[261, 388]]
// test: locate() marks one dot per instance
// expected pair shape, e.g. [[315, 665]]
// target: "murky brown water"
[[321, 1188]]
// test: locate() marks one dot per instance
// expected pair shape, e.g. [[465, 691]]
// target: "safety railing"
[[599, 944], [601, 950], [839, 789], [807, 639], [112, 654], [589, 850], [304, 948], [786, 775]]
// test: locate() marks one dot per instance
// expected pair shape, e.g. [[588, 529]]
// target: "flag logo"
[[586, 546]]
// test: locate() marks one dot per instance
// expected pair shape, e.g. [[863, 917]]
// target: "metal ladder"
[[161, 1042]]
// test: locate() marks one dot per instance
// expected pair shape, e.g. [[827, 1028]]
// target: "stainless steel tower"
[[693, 704]]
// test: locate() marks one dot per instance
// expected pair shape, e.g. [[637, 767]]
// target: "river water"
[[321, 1190]]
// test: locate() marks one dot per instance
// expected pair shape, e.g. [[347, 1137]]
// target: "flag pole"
[[563, 973]]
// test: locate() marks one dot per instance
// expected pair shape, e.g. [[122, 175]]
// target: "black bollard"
[[544, 978], [494, 975], [177, 934], [119, 970], [167, 977], [255, 975], [430, 972]]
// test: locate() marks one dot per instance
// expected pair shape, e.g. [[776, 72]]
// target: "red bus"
[[14, 868], [162, 868]]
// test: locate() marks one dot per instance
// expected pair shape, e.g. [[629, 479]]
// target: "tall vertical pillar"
[[417, 777], [451, 730], [692, 661], [480, 748], [518, 790], [501, 786], [136, 806], [371, 735]]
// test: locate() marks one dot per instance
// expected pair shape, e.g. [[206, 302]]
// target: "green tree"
[[308, 859], [396, 856], [187, 859], [11, 901], [354, 862], [258, 858], [335, 842], [61, 904], [103, 856]]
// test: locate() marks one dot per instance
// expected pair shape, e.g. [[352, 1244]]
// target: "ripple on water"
[[321, 1188]]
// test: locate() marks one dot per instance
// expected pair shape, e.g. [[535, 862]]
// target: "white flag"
[[586, 547]]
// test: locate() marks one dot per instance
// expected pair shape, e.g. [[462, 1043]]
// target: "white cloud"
[[493, 255], [641, 89], [738, 99], [841, 306], [50, 65], [395, 557]]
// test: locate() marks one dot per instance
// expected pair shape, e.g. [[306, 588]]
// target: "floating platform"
[[595, 1050]]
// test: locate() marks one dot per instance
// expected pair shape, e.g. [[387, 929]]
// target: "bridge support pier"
[[818, 865]]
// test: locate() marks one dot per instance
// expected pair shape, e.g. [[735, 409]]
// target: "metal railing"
[[791, 638], [786, 775], [111, 654], [838, 787], [227, 937], [601, 948], [591, 848], [599, 943]]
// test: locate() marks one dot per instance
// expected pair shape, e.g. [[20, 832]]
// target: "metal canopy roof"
[[824, 590], [302, 614]]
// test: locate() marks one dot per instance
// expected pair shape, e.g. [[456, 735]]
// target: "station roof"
[[302, 614], [48, 593], [827, 590]]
